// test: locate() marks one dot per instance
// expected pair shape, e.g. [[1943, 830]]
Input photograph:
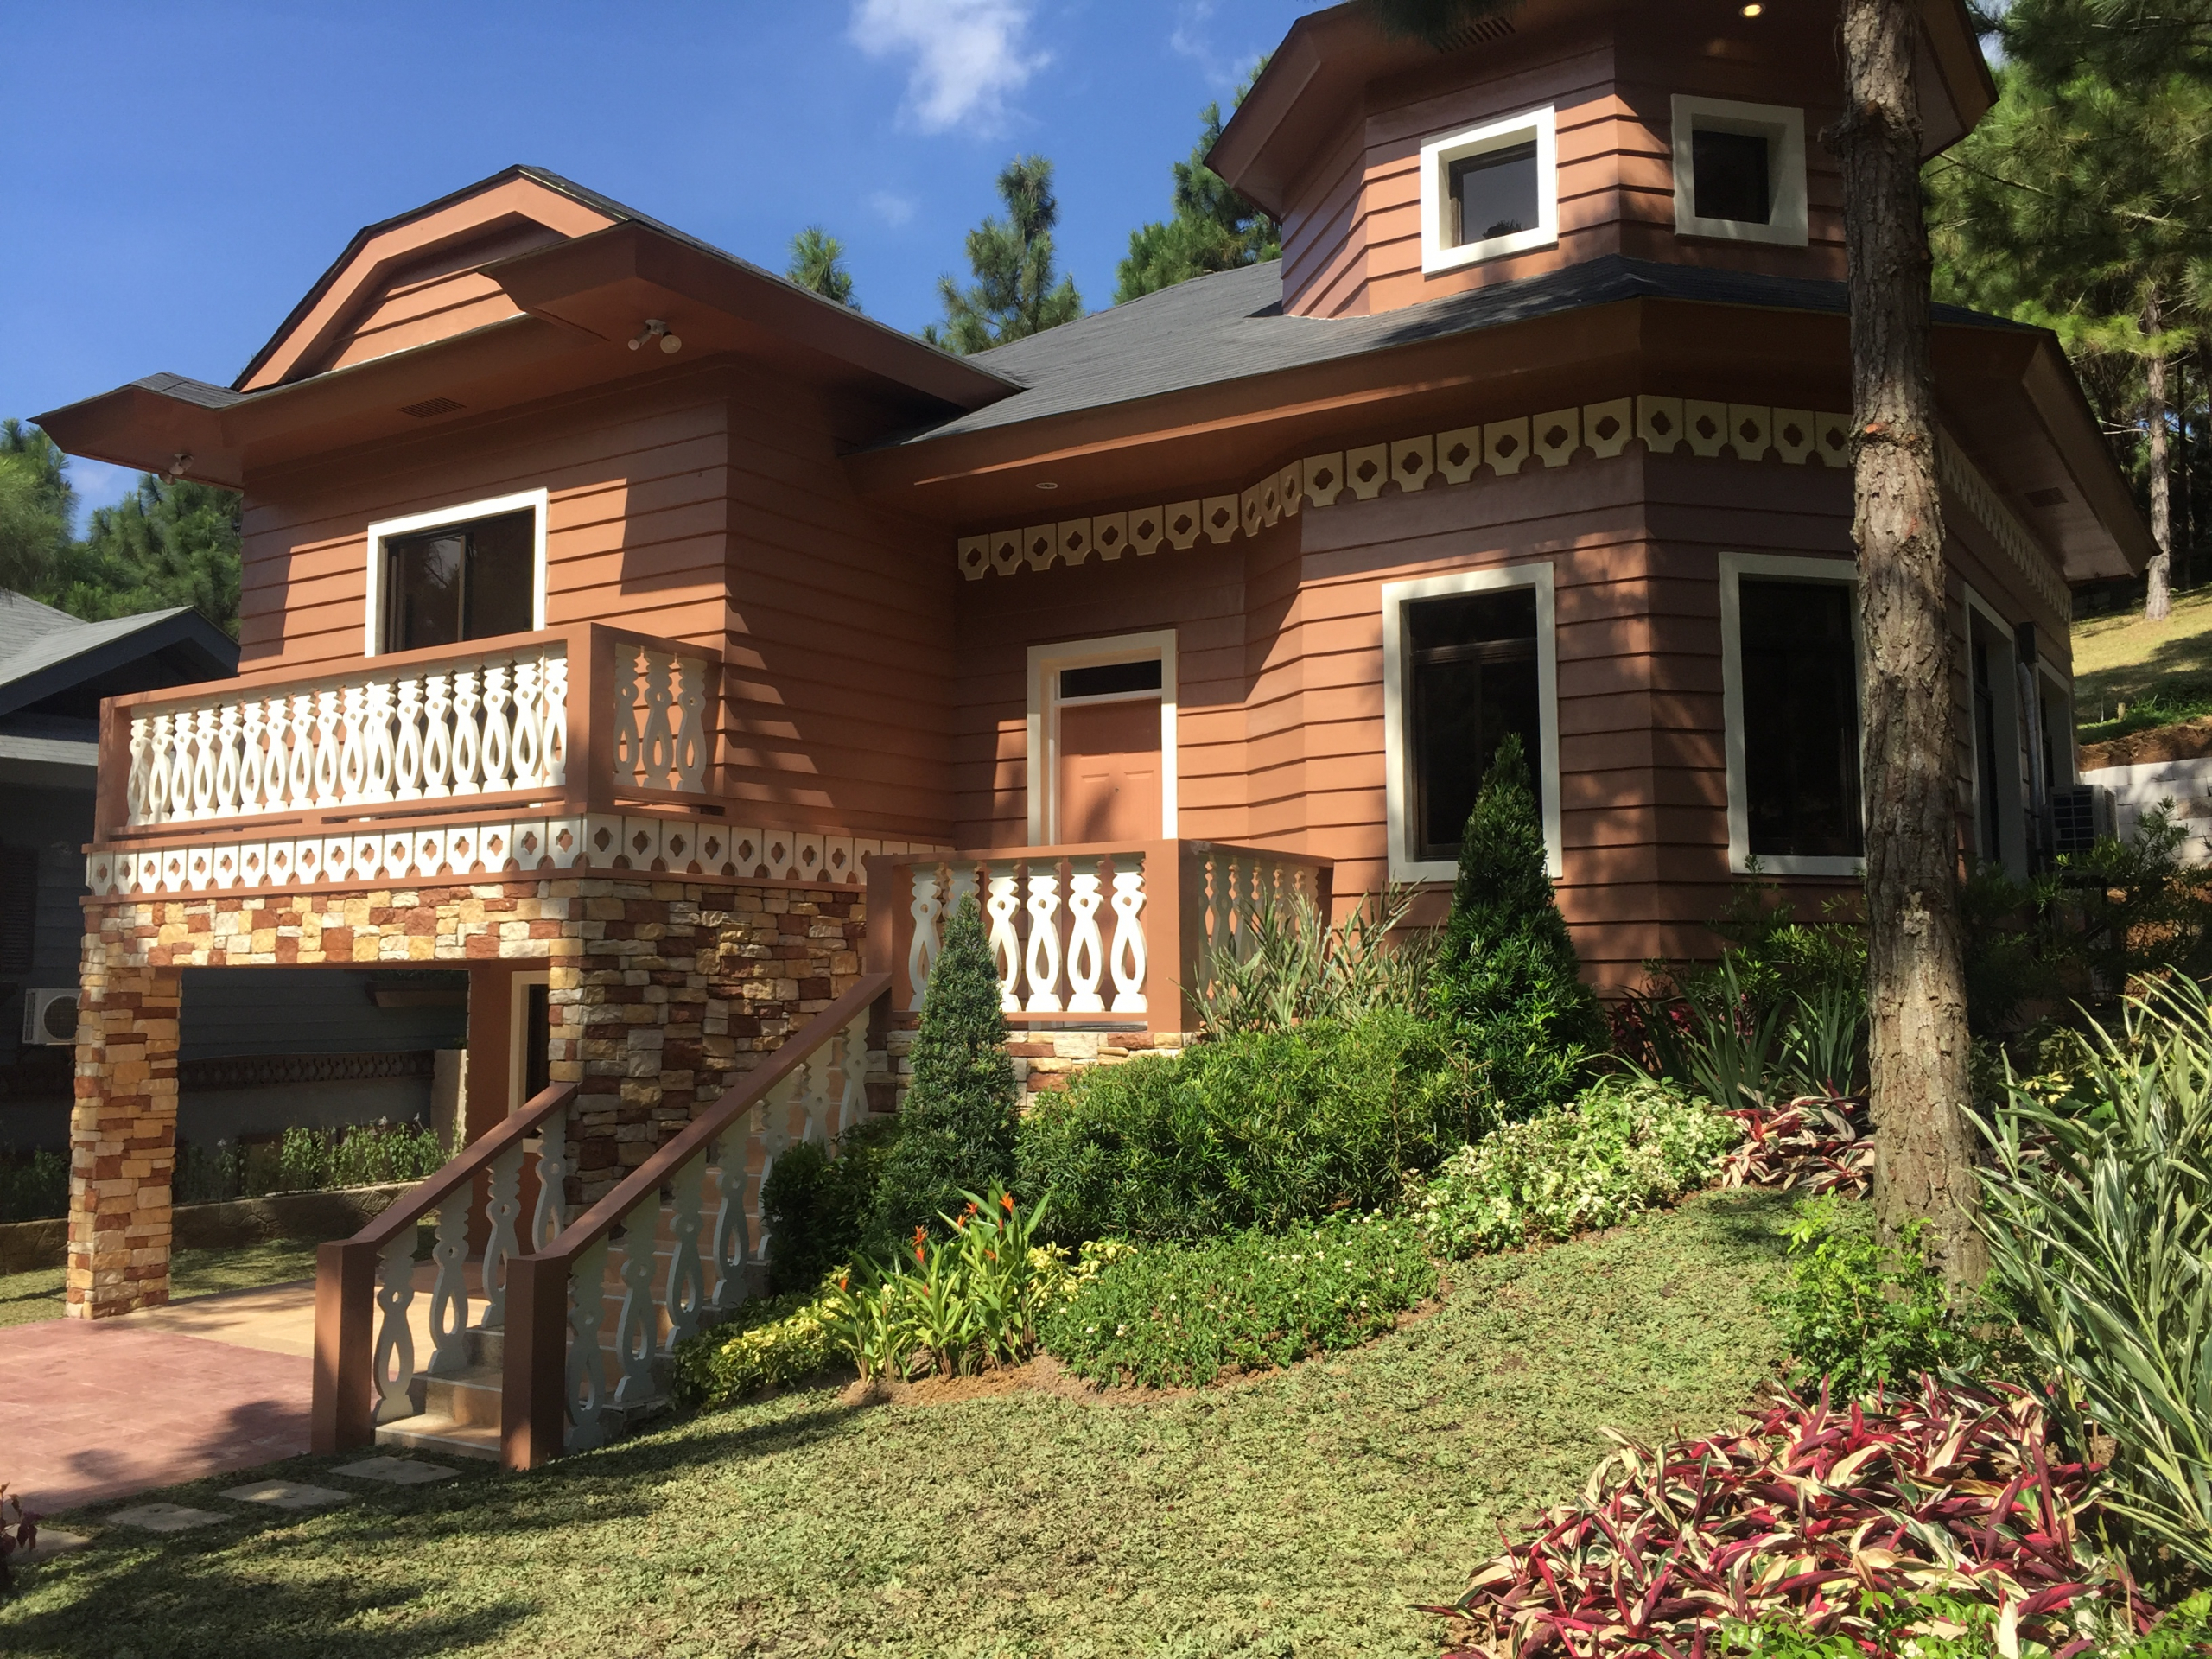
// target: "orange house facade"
[[671, 647]]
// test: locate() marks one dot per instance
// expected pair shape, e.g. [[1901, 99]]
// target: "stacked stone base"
[[1044, 1062]]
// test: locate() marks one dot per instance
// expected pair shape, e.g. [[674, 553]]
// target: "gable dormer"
[[418, 279], [1562, 131]]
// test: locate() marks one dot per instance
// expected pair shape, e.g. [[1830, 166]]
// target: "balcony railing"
[[1109, 934], [582, 719]]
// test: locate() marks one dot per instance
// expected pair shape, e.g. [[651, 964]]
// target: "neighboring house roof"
[[55, 663], [1231, 326]]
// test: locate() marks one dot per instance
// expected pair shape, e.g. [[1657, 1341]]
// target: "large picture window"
[[1791, 675], [470, 572], [1467, 660]]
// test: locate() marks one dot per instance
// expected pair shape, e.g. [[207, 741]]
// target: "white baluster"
[[394, 1350], [376, 743], [407, 748], [1042, 961], [299, 761], [503, 1204], [693, 739], [449, 1290], [926, 907], [1003, 902], [328, 746], [636, 1324], [852, 1066], [1220, 902], [253, 756], [467, 732], [810, 1088], [686, 1299], [437, 735], [656, 738], [771, 1121], [203, 764], [138, 789], [1086, 947], [555, 741], [1128, 957], [498, 757], [729, 1241], [352, 752], [586, 1370], [227, 802], [629, 756], [550, 1214], [526, 743], [159, 801]]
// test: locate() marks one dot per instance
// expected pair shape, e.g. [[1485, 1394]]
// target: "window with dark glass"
[[1109, 679], [18, 907], [1985, 732], [1730, 176], [459, 582], [1494, 194], [538, 1040], [1471, 669], [1801, 720]]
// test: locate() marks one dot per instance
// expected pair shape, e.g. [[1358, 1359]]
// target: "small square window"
[[1739, 171], [1490, 190], [1731, 172]]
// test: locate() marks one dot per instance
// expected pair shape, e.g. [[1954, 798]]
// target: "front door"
[[1109, 782]]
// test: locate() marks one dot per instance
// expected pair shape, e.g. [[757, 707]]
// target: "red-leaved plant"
[[1811, 1144], [22, 1533], [1801, 1516]]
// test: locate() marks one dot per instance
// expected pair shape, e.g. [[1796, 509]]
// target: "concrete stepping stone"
[[288, 1495], [51, 1542], [164, 1517], [399, 1471]]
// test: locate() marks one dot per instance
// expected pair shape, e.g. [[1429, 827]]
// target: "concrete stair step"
[[434, 1432], [471, 1396]]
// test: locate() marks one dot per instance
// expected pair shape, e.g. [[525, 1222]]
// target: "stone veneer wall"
[[1044, 1062], [661, 991]]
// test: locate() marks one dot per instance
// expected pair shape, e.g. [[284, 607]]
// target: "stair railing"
[[367, 1370], [564, 1387]]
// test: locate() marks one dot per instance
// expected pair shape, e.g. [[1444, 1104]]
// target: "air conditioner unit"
[[2081, 816], [50, 1017]]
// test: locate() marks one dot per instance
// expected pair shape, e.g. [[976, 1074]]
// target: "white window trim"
[[537, 500], [1436, 158], [1784, 129], [1733, 567], [2064, 687], [1397, 747], [2012, 824], [519, 1033], [1046, 663]]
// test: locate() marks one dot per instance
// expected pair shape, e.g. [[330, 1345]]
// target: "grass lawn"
[[27, 1296], [2162, 670], [1296, 1513]]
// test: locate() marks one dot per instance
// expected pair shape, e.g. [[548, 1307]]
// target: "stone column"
[[122, 1136]]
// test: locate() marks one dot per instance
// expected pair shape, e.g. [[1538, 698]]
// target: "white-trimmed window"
[[472, 571], [1490, 190], [1997, 736], [1790, 693], [529, 1037], [1739, 170], [1091, 682], [1466, 659]]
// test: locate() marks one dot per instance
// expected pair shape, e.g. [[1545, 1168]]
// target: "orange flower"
[[1006, 1200], [921, 1256]]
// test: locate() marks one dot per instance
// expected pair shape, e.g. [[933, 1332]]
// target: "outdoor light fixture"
[[1753, 10], [656, 329], [1046, 484], [178, 462]]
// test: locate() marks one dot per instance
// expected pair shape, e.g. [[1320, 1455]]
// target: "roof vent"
[[1476, 31], [2051, 498], [430, 406]]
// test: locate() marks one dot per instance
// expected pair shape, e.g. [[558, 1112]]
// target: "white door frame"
[[1046, 663]]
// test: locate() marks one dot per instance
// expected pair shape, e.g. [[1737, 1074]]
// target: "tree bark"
[[2157, 597], [1916, 976]]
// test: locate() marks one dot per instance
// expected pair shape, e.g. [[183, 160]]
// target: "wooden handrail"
[[341, 1413], [533, 1407]]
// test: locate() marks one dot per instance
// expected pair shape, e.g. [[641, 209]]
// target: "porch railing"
[[584, 716], [1111, 932]]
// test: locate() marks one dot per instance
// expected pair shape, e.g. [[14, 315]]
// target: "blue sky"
[[181, 175]]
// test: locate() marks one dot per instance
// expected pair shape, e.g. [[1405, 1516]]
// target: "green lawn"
[[27, 1296], [1298, 1513], [2161, 671]]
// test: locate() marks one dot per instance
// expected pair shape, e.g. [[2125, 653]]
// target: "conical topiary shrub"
[[1507, 976], [959, 1122]]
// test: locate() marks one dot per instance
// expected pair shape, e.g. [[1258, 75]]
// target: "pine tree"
[[818, 264], [167, 542], [35, 506], [959, 1122], [1507, 976], [1214, 228], [1014, 294]]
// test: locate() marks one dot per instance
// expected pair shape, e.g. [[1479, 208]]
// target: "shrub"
[[1860, 1313], [1262, 1130], [2098, 1210], [819, 1207], [1933, 1624], [955, 1304], [1171, 1315], [1506, 976], [1626, 1145], [772, 1342], [34, 1187], [1297, 969], [959, 1114]]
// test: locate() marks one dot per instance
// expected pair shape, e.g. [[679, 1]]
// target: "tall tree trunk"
[[1916, 976], [2158, 598]]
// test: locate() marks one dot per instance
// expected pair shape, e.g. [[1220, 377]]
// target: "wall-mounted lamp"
[[178, 462], [656, 329]]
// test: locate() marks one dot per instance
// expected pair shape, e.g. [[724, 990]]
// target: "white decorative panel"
[[1324, 477], [1557, 433], [1412, 459], [1607, 427], [1705, 426], [1219, 517], [1109, 535], [1458, 453], [1184, 519], [1796, 435], [1506, 445], [975, 557], [1750, 431], [1147, 525]]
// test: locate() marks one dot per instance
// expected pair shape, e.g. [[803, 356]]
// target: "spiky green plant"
[[1296, 967]]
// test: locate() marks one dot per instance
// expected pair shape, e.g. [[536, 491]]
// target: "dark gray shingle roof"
[[1230, 327]]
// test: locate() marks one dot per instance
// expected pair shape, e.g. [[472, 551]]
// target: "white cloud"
[[1192, 37], [968, 55], [891, 208]]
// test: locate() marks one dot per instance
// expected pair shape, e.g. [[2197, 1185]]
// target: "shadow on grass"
[[1748, 1217]]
